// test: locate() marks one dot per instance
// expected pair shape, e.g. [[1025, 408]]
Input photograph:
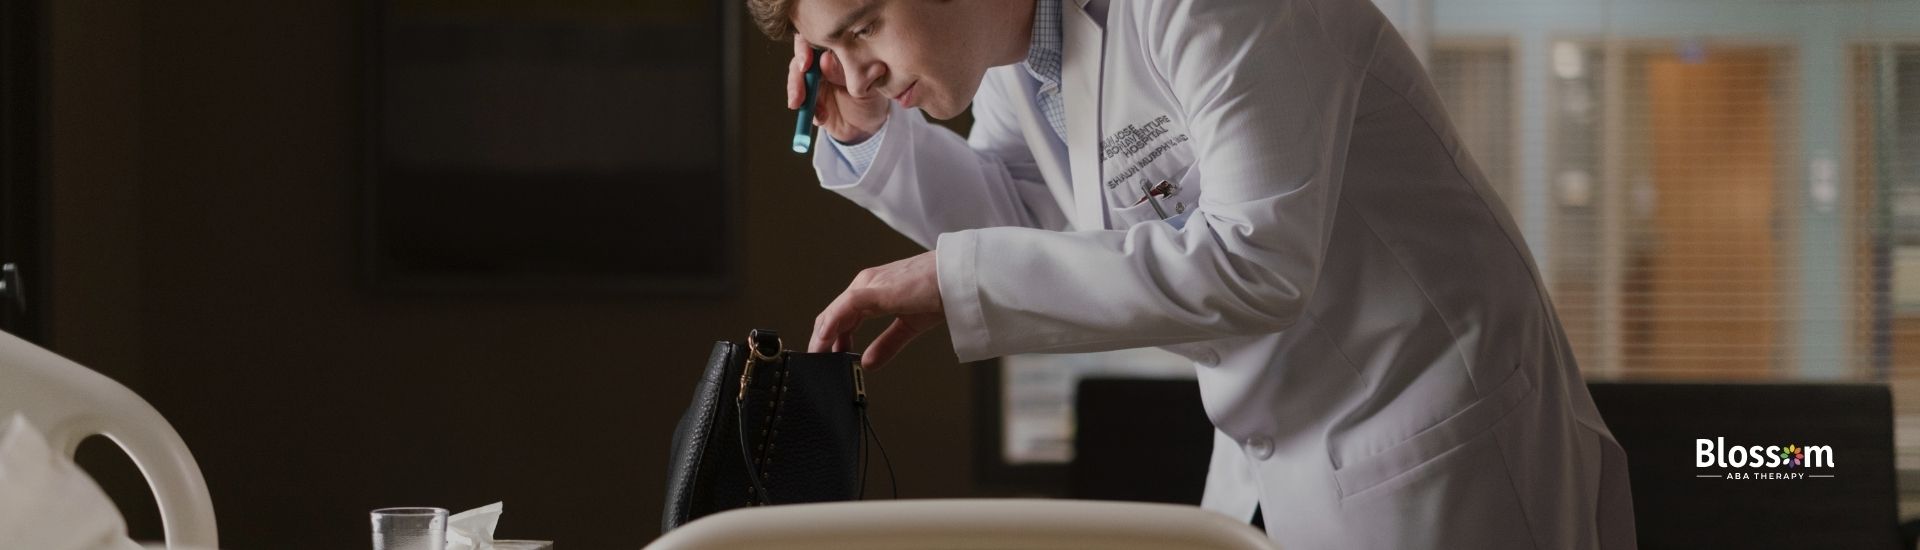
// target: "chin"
[[942, 111]]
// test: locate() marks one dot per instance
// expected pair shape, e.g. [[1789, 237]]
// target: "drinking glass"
[[410, 529]]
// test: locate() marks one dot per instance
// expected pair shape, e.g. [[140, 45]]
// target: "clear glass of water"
[[410, 529]]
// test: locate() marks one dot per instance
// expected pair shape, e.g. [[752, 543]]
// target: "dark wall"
[[204, 160]]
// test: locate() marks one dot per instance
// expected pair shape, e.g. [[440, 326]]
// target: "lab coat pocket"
[[1127, 216], [1175, 207], [1404, 458]]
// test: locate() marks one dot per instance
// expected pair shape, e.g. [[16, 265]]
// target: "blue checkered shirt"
[[1043, 62]]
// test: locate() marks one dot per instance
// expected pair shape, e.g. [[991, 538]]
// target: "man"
[[1267, 187]]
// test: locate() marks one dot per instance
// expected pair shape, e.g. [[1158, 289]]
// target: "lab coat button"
[[1260, 447]]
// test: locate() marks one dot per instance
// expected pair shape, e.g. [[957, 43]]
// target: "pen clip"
[[1148, 192]]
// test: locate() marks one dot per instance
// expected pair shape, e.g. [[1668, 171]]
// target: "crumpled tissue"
[[473, 529]]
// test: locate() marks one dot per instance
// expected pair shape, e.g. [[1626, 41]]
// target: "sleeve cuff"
[[955, 256], [859, 156], [837, 171]]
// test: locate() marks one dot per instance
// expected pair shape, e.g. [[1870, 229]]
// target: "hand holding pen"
[[847, 116]]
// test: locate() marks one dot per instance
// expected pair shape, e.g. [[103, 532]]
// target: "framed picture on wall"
[[517, 145]]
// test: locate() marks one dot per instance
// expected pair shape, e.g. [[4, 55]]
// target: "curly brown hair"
[[775, 17]]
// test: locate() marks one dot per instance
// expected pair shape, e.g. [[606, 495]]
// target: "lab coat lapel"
[[1084, 43], [1049, 151]]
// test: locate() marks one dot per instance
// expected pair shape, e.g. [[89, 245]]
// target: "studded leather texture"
[[801, 422]]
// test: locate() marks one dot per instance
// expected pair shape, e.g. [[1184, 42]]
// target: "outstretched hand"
[[908, 290]]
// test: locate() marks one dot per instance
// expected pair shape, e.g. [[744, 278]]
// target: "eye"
[[864, 32]]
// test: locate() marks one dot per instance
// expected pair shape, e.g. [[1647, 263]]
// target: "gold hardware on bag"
[[754, 356], [859, 384]]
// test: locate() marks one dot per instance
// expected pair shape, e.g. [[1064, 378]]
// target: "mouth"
[[906, 94]]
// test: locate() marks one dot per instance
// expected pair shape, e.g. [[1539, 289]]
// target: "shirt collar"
[[1043, 54]]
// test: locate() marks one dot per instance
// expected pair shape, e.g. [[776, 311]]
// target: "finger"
[[845, 343], [903, 330], [797, 71], [832, 323], [796, 86], [818, 341], [824, 106], [831, 69]]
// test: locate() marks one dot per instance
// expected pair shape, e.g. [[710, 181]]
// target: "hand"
[[847, 118], [907, 289]]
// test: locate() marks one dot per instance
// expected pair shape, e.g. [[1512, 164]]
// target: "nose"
[[863, 75]]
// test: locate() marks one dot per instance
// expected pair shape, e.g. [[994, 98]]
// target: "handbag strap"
[[866, 429], [762, 346]]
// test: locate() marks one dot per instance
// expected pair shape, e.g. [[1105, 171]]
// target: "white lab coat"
[[1373, 341]]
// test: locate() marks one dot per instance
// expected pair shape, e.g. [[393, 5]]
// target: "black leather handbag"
[[769, 426]]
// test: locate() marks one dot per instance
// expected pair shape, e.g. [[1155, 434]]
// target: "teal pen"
[[803, 128]]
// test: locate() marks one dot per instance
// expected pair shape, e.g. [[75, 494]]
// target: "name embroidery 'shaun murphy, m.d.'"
[[1130, 140]]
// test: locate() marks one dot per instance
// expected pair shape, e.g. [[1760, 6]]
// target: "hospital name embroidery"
[[1130, 140]]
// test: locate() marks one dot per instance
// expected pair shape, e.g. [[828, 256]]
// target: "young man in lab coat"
[[1270, 188]]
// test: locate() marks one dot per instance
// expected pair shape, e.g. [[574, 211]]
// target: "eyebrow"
[[847, 22]]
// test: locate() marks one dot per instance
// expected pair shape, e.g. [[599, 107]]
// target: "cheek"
[[946, 73], [941, 79], [958, 88]]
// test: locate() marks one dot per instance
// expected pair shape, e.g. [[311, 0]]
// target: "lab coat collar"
[[1096, 9]]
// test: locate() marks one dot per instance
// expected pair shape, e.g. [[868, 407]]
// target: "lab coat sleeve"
[[926, 180], [859, 156], [1269, 95]]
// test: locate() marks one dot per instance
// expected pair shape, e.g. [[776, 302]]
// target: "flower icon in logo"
[[1791, 456]]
